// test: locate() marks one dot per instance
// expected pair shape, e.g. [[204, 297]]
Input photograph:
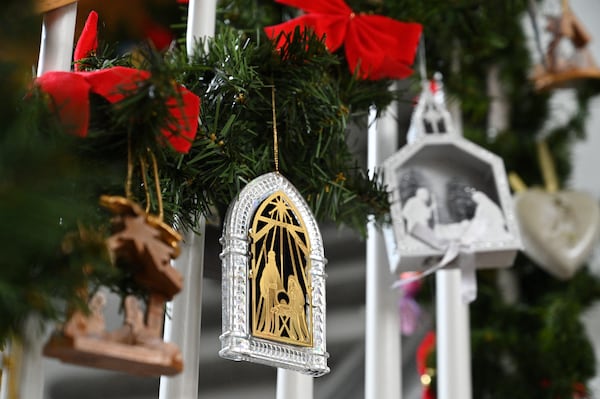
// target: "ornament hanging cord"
[[275, 143], [143, 167], [547, 167], [156, 184]]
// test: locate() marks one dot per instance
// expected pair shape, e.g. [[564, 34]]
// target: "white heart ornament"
[[559, 230]]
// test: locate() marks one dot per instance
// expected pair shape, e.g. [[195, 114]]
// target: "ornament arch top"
[[237, 341]]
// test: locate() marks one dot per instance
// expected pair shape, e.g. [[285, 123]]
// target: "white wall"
[[586, 162]]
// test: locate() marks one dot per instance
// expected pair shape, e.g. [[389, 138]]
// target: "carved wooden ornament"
[[147, 245], [567, 58], [43, 6]]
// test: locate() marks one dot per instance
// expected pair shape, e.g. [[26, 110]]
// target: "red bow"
[[70, 91], [378, 46]]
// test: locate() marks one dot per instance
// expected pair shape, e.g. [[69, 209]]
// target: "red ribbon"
[[88, 40], [70, 91], [377, 47]]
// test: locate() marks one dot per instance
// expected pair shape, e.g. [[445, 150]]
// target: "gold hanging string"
[[275, 143], [547, 167], [144, 168], [157, 185], [565, 6]]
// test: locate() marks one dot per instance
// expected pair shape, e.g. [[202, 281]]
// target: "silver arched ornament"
[[273, 284]]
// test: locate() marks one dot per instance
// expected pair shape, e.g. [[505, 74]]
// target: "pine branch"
[[236, 142]]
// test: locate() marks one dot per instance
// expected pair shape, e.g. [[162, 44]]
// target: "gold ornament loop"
[[547, 167], [275, 143], [516, 183], [143, 169]]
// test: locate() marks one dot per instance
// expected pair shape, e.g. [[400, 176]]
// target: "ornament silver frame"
[[237, 341]]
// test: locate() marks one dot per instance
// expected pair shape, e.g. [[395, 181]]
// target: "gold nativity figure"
[[270, 285], [281, 305]]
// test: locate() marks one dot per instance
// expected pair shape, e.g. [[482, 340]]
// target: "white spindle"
[[182, 324], [56, 47], [24, 376], [201, 22], [294, 385], [382, 352], [453, 337], [58, 33]]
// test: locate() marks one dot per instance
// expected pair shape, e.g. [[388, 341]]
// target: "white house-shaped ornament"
[[273, 284], [446, 190]]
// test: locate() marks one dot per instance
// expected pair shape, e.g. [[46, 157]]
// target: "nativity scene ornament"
[[273, 283], [450, 199], [144, 243]]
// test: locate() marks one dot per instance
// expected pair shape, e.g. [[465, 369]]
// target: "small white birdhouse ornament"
[[273, 282], [448, 195]]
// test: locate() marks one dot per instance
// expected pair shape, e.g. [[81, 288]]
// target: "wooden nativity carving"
[[567, 56], [146, 245]]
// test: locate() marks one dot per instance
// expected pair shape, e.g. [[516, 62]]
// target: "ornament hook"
[[143, 168]]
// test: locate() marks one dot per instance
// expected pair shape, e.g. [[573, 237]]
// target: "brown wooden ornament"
[[43, 6], [560, 69], [147, 245]]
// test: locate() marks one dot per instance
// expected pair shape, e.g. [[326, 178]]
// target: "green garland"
[[58, 230], [235, 78]]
